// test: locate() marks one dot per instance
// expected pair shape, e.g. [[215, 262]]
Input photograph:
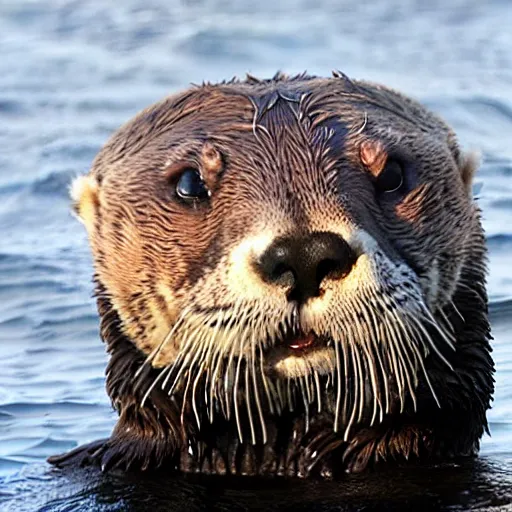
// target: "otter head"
[[302, 248]]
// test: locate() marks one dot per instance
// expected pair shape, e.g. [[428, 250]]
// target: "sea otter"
[[291, 280]]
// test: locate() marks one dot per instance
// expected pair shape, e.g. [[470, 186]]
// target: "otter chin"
[[291, 280]]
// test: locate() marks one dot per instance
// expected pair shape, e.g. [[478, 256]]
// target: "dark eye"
[[190, 186], [390, 178]]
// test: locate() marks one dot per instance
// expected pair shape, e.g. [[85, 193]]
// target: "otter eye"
[[191, 186], [391, 177]]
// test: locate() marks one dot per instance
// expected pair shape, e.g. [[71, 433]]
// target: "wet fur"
[[156, 430]]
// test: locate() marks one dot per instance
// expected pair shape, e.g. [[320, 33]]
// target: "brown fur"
[[279, 157]]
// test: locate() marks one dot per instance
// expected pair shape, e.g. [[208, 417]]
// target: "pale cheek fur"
[[242, 280]]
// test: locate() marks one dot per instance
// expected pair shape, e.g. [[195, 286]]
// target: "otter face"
[[265, 240]]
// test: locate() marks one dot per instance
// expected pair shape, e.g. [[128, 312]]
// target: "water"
[[71, 72]]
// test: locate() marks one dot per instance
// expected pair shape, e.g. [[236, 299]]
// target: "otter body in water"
[[290, 276]]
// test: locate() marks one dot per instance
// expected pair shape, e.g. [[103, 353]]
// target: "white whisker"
[[306, 404], [318, 392], [248, 404], [356, 391], [256, 389], [431, 343], [235, 398], [167, 337]]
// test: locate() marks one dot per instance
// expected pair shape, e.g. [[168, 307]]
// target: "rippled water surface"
[[73, 71]]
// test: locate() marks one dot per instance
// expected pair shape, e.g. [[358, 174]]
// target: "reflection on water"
[[479, 485], [71, 72]]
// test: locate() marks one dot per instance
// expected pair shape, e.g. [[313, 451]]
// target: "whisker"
[[197, 357], [280, 393], [360, 334], [392, 357], [306, 405], [167, 337], [423, 369], [182, 416], [447, 337], [235, 398], [338, 392], [248, 405], [410, 366], [266, 385], [414, 363], [405, 363], [308, 389], [457, 311], [179, 358], [289, 394], [356, 391], [255, 387], [431, 343], [368, 349], [194, 390], [219, 359], [360, 385], [446, 320], [377, 331], [318, 392], [206, 363], [229, 364], [191, 350], [151, 387]]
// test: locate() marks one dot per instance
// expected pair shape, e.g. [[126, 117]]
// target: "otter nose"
[[302, 263]]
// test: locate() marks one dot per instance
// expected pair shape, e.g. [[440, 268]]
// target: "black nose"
[[302, 263]]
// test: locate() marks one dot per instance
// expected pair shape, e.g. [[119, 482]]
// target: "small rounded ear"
[[84, 193], [468, 165]]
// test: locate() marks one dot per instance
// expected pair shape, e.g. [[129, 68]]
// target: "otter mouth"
[[293, 337], [296, 341], [288, 338], [300, 341], [297, 353]]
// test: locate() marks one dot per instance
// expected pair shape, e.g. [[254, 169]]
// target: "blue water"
[[71, 72]]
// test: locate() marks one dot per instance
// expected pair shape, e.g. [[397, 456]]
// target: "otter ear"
[[468, 165], [84, 193]]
